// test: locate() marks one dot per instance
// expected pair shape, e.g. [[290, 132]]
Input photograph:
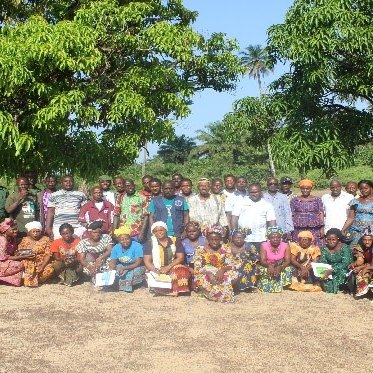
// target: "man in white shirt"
[[105, 184], [236, 197], [336, 206], [254, 214]]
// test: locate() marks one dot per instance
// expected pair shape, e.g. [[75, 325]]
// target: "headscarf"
[[273, 230], [158, 224], [6, 224], [33, 225], [122, 230], [306, 183], [305, 234], [215, 228], [96, 224]]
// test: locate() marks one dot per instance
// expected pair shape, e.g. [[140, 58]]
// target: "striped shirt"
[[67, 205]]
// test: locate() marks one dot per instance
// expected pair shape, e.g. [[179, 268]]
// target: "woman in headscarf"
[[94, 250], [215, 274], [274, 270], [308, 213], [303, 253], [163, 258], [127, 259], [337, 254], [37, 268], [66, 264], [245, 258], [193, 239], [10, 265]]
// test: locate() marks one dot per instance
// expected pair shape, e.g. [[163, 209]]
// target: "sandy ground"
[[59, 329]]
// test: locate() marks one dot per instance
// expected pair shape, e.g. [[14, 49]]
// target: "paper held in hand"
[[105, 278], [320, 268], [159, 281]]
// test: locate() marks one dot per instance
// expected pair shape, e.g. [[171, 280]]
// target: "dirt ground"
[[59, 329]]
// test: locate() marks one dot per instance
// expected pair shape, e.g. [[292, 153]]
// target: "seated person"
[[193, 239]]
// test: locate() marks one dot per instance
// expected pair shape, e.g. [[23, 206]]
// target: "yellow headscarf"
[[305, 234], [122, 230], [306, 183]]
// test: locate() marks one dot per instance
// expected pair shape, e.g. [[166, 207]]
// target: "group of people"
[[225, 237]]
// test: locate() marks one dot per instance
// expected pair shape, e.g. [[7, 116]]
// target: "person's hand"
[[358, 268], [351, 266], [49, 232], [322, 232], [165, 269], [23, 195], [288, 236], [122, 271], [91, 268], [303, 272], [365, 270], [327, 274], [211, 278], [219, 275], [276, 271], [343, 231], [40, 269], [270, 270]]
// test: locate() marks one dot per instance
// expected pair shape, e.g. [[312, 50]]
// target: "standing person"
[[229, 184], [308, 213], [43, 198], [146, 192], [206, 209], [97, 209], [336, 205], [217, 188], [105, 183], [236, 197], [186, 189], [281, 205], [33, 179], [360, 214], [3, 196], [22, 205], [176, 178], [171, 209], [352, 188], [286, 183], [253, 216], [64, 207], [130, 210], [155, 186], [120, 189]]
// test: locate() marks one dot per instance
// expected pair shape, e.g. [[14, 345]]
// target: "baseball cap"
[[286, 180]]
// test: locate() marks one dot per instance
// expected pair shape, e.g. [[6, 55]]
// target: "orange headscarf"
[[305, 234], [306, 183]]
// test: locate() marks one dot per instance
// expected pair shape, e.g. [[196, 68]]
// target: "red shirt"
[[89, 212]]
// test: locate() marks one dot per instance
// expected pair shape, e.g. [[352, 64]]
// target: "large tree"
[[176, 150], [84, 84]]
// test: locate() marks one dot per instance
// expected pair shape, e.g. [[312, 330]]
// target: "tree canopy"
[[84, 84]]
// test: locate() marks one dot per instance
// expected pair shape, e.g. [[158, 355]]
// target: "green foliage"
[[85, 84], [176, 150]]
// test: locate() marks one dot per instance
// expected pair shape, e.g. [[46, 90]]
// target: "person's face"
[[192, 233], [241, 184], [332, 241], [146, 184], [129, 187], [214, 240], [304, 242], [168, 190], [186, 188], [23, 184], [272, 185], [335, 188], [51, 183], [97, 195], [351, 188], [105, 184], [365, 190], [95, 234], [306, 191], [275, 239], [155, 188], [285, 188], [255, 193], [160, 233], [11, 232], [177, 180], [119, 185], [230, 183], [217, 187], [204, 188], [35, 234], [238, 240], [124, 240], [67, 183], [367, 241], [67, 235]]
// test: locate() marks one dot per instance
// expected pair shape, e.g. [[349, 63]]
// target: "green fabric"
[[3, 196]]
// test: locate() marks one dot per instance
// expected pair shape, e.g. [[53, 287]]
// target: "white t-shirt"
[[336, 209], [109, 196], [234, 198], [254, 215]]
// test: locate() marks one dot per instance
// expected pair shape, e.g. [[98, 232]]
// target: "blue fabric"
[[127, 255], [189, 249]]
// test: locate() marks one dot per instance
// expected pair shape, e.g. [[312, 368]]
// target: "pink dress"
[[274, 256], [10, 270]]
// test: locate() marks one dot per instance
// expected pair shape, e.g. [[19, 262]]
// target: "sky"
[[246, 21]]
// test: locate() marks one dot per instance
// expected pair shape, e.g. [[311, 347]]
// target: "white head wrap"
[[158, 224], [33, 225]]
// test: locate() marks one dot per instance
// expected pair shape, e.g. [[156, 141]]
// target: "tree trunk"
[[271, 163], [143, 167]]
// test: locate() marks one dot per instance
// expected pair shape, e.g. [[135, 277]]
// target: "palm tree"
[[256, 62], [176, 150]]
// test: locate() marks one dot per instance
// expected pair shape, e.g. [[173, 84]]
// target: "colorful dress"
[[68, 269], [10, 270], [245, 263], [206, 262], [363, 219], [126, 256], [304, 257], [307, 217], [358, 283], [340, 262], [163, 256], [41, 249], [274, 284]]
